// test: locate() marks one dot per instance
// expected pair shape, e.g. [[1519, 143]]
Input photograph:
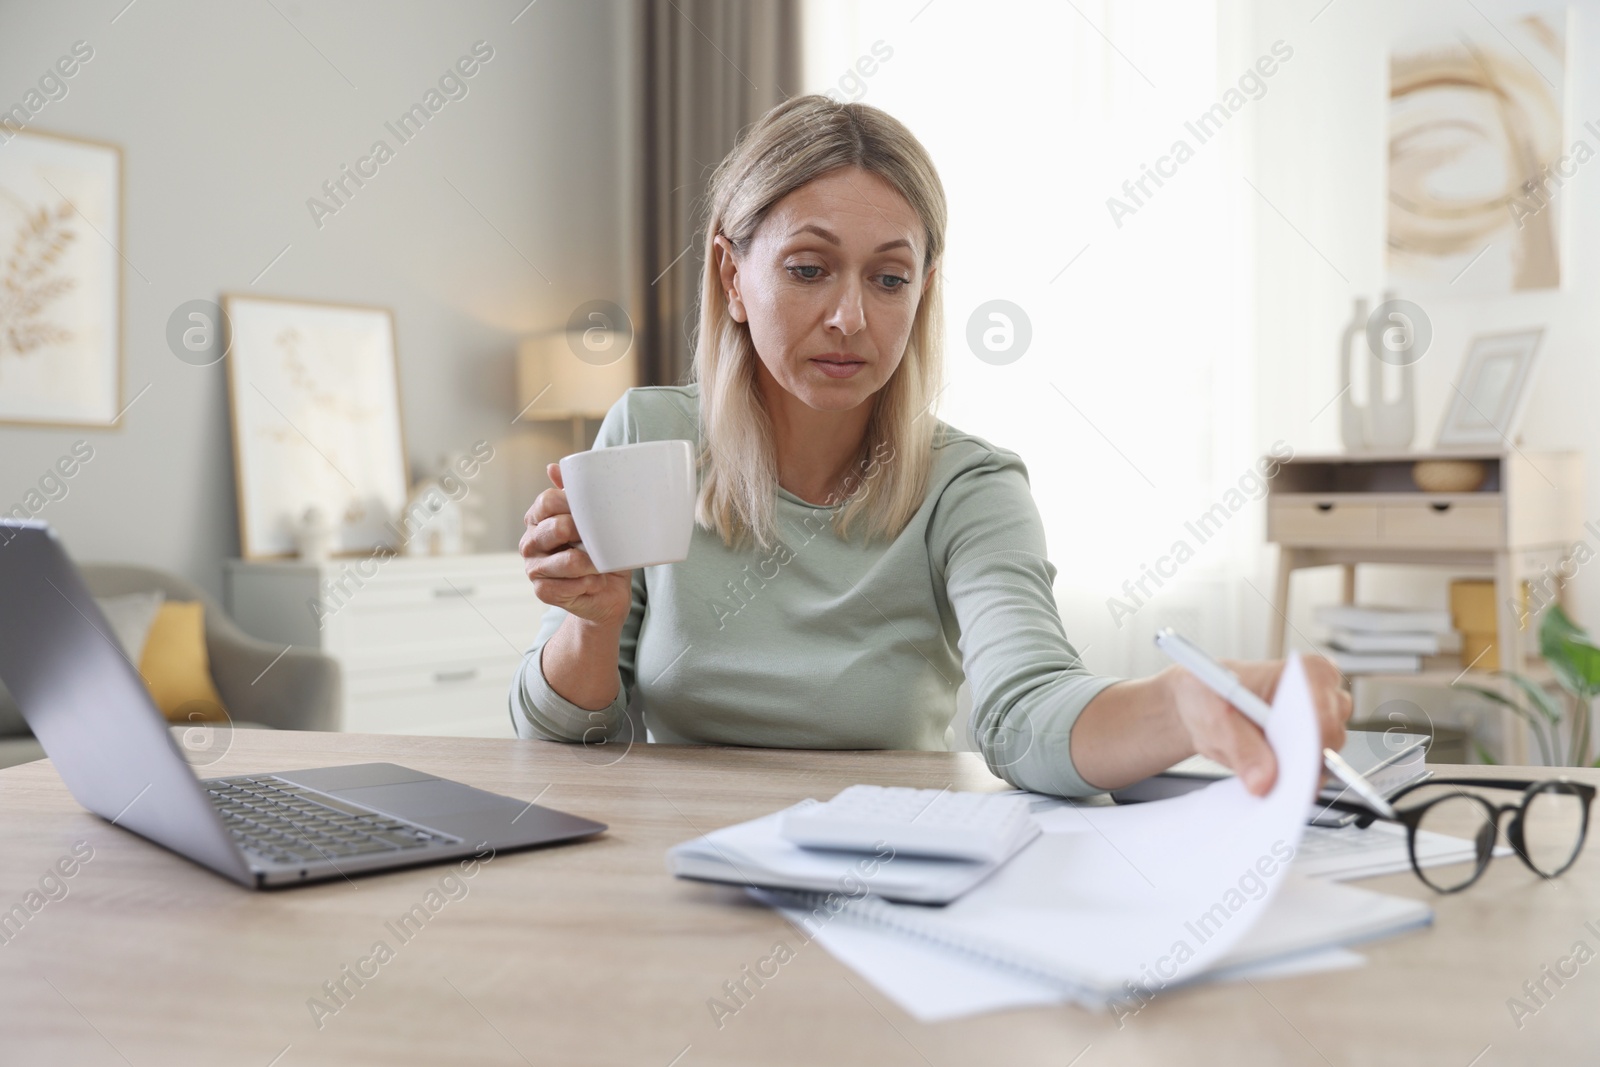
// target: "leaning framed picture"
[[314, 395], [1491, 391], [60, 280]]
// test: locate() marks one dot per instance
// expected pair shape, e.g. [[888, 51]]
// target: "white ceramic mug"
[[633, 504]]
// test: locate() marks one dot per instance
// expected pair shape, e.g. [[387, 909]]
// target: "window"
[[1055, 128]]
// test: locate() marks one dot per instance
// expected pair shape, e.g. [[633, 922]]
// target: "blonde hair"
[[801, 139]]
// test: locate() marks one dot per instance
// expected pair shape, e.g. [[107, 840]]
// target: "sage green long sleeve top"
[[829, 643]]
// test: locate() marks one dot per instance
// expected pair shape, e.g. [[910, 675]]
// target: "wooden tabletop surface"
[[592, 954]]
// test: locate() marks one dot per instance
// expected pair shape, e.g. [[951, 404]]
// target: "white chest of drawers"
[[427, 644]]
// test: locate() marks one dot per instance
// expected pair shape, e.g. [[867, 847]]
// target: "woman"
[[854, 558]]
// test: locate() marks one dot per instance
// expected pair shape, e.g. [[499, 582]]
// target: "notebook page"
[[1152, 894]]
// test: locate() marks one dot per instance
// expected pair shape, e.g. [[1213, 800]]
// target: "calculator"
[[938, 823]]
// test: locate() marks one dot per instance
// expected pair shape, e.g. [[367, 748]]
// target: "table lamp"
[[573, 376]]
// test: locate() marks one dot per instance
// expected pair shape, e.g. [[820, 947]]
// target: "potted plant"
[[1561, 729]]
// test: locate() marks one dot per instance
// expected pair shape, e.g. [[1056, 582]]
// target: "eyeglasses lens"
[[1552, 828], [1460, 816]]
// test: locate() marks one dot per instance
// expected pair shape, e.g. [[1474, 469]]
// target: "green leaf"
[[1483, 753], [1488, 694], [1541, 700], [1577, 665], [1556, 620], [1539, 727], [1571, 653]]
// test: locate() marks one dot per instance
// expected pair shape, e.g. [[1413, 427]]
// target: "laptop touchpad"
[[421, 801]]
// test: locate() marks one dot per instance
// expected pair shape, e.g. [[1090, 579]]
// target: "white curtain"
[[1132, 405]]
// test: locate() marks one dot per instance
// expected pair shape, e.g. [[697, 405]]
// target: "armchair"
[[299, 691]]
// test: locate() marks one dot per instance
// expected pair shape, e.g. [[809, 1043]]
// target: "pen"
[[1226, 684]]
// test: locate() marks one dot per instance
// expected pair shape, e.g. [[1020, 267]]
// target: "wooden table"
[[591, 954]]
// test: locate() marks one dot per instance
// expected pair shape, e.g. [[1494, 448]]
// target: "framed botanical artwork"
[[1491, 391], [315, 400], [60, 280]]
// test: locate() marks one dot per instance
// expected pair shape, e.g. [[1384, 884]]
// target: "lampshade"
[[569, 385]]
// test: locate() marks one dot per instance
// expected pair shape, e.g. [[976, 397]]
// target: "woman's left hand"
[[1221, 732]]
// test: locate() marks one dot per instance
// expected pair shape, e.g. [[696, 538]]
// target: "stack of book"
[[1368, 639]]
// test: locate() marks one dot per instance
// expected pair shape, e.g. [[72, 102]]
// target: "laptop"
[[1389, 759], [89, 708]]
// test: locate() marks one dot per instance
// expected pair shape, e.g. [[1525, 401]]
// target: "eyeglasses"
[[1547, 829]]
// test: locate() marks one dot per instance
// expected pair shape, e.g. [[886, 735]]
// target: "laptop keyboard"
[[286, 823]]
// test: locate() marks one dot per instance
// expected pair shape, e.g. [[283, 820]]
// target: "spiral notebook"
[[1158, 894], [1076, 949], [755, 853]]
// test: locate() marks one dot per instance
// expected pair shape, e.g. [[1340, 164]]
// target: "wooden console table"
[[1349, 508]]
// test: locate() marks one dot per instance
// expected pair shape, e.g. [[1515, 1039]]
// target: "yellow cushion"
[[175, 665]]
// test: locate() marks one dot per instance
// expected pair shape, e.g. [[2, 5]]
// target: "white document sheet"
[[1152, 894], [1155, 892]]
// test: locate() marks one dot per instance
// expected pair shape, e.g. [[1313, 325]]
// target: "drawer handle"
[[1324, 507], [441, 677], [461, 591], [1441, 508]]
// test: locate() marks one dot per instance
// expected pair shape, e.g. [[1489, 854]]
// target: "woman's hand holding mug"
[[612, 511], [562, 573]]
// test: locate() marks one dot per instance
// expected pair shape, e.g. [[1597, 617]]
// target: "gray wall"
[[231, 115]]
